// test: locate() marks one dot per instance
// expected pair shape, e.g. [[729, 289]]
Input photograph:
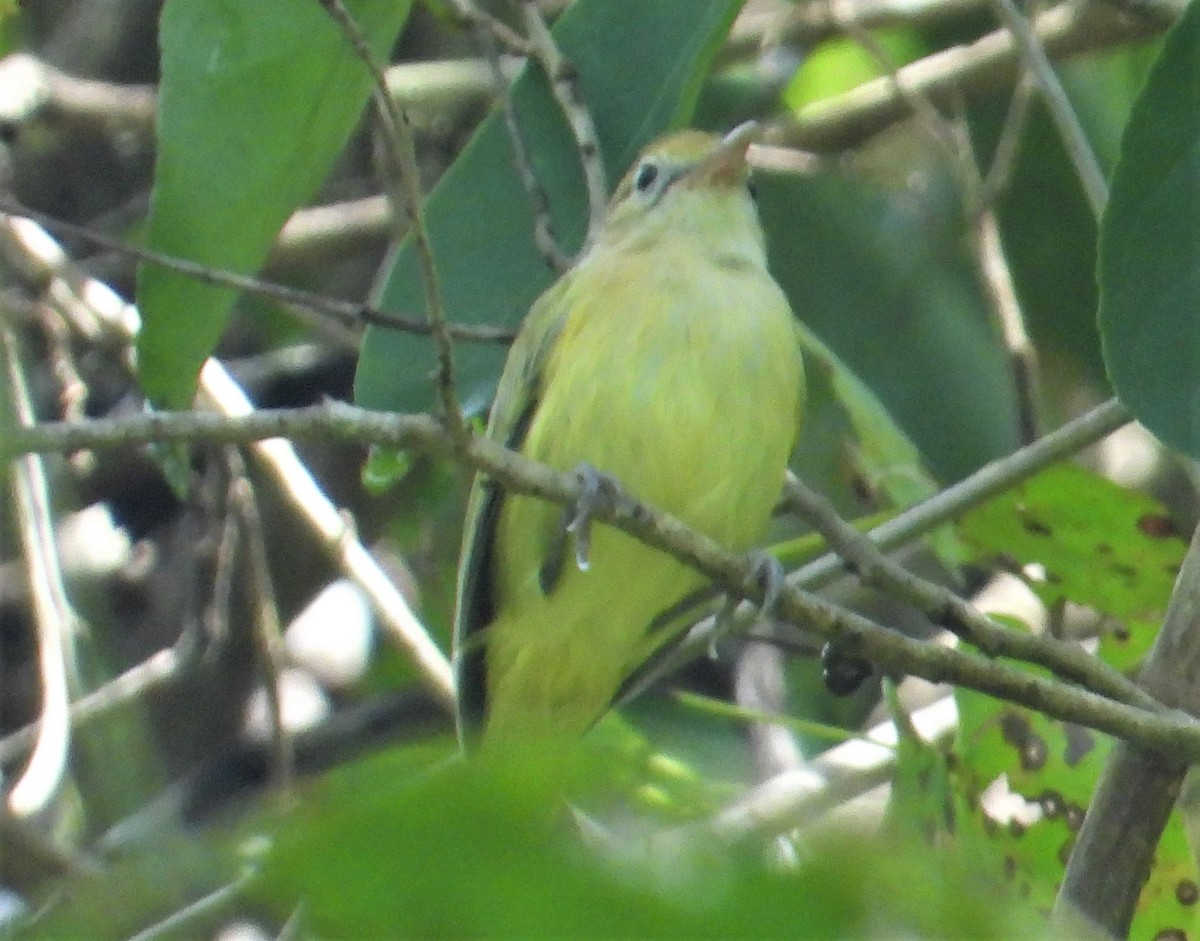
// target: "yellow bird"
[[667, 358]]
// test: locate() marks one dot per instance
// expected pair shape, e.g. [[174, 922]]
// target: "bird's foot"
[[597, 491], [767, 571]]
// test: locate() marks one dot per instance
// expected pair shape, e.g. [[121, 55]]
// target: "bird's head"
[[688, 181]]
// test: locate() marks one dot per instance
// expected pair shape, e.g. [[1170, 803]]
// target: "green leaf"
[[255, 103], [384, 467], [885, 456], [468, 850], [839, 64], [1149, 247], [1100, 545], [920, 805], [640, 69], [1052, 767], [1049, 769], [883, 281]]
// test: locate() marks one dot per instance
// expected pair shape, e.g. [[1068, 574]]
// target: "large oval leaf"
[[640, 68], [1149, 260], [256, 101]]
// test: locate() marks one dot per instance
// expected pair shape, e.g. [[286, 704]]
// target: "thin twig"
[[991, 479], [917, 99], [268, 634], [832, 779], [1070, 128], [806, 24], [216, 902], [947, 609], [564, 84], [1004, 157], [54, 617], [349, 313], [401, 149], [848, 119], [924, 517], [1022, 354], [96, 310], [543, 226], [513, 42], [155, 670], [224, 577]]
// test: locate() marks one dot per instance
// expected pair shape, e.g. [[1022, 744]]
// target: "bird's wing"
[[516, 401]]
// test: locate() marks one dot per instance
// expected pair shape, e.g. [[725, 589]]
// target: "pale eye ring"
[[646, 174]]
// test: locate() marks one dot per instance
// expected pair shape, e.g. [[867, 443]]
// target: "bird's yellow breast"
[[683, 381]]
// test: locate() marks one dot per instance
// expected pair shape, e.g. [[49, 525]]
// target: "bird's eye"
[[646, 175]]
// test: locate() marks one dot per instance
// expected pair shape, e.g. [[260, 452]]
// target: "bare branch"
[[349, 313], [947, 609], [998, 284], [543, 227], [564, 83], [848, 119], [54, 617], [991, 479], [735, 574]]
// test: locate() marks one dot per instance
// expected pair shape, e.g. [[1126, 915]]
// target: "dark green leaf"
[[640, 69], [1149, 247], [883, 283], [256, 101]]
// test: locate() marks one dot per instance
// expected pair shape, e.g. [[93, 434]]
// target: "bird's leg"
[[598, 490], [768, 572], [842, 671]]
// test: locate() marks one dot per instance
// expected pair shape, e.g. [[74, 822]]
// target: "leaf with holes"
[[1098, 544]]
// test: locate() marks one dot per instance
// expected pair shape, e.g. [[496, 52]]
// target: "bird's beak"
[[727, 163]]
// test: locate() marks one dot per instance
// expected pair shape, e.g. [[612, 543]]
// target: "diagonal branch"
[[736, 574], [1070, 128], [848, 119]]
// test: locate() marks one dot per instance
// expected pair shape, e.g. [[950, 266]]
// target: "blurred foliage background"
[[263, 759]]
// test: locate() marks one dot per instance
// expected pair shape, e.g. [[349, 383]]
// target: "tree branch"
[[845, 120], [735, 574]]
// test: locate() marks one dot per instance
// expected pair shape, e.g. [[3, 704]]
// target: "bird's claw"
[[597, 491]]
